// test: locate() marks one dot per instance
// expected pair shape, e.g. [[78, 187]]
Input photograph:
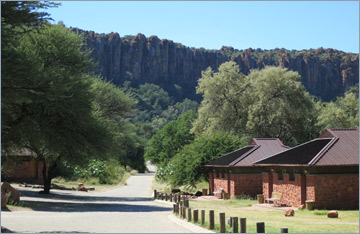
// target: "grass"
[[93, 182], [25, 205], [166, 188], [304, 221]]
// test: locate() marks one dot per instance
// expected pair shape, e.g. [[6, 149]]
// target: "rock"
[[3, 200], [333, 214], [11, 195], [81, 187], [289, 212], [198, 193], [325, 73]]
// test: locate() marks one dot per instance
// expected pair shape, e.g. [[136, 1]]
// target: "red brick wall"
[[290, 190], [245, 184], [333, 191], [267, 184], [221, 182]]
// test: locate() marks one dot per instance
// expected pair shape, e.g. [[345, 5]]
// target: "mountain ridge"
[[326, 73]]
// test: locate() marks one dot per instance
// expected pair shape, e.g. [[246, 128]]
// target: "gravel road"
[[128, 209]]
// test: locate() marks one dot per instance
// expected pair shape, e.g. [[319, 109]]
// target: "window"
[[217, 174], [223, 175], [292, 176], [280, 176]]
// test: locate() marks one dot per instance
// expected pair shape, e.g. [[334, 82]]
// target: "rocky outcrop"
[[325, 73]]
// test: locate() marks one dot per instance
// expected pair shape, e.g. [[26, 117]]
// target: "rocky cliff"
[[326, 73]]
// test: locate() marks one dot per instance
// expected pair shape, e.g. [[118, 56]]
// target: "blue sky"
[[212, 24]]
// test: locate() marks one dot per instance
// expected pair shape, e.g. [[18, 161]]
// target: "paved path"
[[127, 209]]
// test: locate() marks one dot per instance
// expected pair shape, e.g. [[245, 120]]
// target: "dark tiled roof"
[[258, 148], [230, 157], [333, 147]]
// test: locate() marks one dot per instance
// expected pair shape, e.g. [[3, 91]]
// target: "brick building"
[[234, 172], [21, 167], [325, 170]]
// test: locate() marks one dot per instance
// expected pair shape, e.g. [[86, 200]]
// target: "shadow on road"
[[73, 197], [90, 207]]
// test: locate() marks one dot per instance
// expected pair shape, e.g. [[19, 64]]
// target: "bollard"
[[242, 225], [202, 217], [211, 219], [187, 203], [284, 230], [181, 212], [166, 197], [155, 194], [184, 212], [181, 203], [222, 222], [174, 208], [189, 215], [196, 215], [162, 196], [260, 227], [230, 221], [235, 224], [171, 197]]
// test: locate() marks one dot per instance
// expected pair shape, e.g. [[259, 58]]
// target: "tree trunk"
[[48, 177]]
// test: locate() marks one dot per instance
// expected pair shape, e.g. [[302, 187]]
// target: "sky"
[[212, 24]]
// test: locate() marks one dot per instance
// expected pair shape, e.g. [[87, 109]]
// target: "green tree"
[[186, 166], [224, 105], [170, 139], [280, 106], [59, 120], [343, 113], [267, 103]]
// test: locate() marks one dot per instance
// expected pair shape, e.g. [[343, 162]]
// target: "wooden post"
[[260, 227], [181, 212], [230, 221], [189, 214], [284, 230], [196, 215], [242, 225], [187, 203], [211, 219], [162, 196], [155, 194], [171, 197], [174, 208], [202, 217], [235, 224], [222, 222], [184, 212], [166, 197], [181, 203]]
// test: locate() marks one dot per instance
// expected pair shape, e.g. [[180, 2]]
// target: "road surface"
[[128, 209]]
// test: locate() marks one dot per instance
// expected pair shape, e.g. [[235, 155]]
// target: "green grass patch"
[[162, 186], [304, 221]]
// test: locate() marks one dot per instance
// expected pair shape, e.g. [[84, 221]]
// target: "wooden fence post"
[[174, 208], [184, 212], [260, 227], [196, 215], [222, 222], [202, 217], [242, 225], [171, 197], [235, 224], [189, 214], [155, 194], [187, 203], [181, 215], [211, 219], [284, 230], [166, 197]]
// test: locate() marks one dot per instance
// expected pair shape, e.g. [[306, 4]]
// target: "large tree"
[[51, 108], [343, 113], [267, 103]]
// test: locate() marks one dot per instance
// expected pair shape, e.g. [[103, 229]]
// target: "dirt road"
[[127, 209]]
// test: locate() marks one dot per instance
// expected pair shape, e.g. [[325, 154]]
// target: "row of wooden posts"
[[181, 208]]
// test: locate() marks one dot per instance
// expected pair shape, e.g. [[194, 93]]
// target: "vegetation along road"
[[127, 209]]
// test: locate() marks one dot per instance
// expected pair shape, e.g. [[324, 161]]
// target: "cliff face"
[[325, 73]]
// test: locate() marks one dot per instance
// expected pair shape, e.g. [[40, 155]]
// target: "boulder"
[[9, 194], [289, 212], [198, 193], [333, 214], [81, 187]]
